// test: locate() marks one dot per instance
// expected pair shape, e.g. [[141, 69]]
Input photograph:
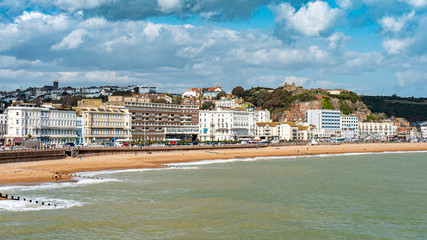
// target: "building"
[[226, 103], [268, 131], [212, 92], [2, 126], [377, 130], [192, 93], [49, 126], [228, 125], [162, 121], [304, 133], [105, 124], [147, 90], [403, 127], [423, 132], [327, 122], [79, 130], [349, 127]]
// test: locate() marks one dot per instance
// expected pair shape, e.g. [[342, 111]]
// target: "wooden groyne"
[[16, 198], [27, 155]]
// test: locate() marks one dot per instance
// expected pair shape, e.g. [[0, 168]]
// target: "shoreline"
[[29, 173]]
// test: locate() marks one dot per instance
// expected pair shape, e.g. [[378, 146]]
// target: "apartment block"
[[162, 121], [349, 127]]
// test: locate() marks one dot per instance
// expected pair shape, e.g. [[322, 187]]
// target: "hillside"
[[413, 109], [292, 102]]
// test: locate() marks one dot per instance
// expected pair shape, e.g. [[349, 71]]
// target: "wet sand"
[[42, 171]]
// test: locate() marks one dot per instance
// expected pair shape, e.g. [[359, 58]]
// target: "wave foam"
[[56, 185], [22, 206]]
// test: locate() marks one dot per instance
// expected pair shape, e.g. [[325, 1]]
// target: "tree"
[[136, 89], [122, 93], [238, 91], [220, 95], [207, 105], [160, 100], [177, 99]]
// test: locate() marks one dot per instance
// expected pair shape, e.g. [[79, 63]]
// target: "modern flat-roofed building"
[[327, 122], [349, 127]]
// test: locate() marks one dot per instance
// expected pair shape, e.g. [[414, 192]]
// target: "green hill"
[[413, 109]]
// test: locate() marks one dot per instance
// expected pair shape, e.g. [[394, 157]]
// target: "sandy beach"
[[43, 171]]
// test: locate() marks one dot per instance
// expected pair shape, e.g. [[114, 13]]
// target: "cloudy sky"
[[372, 47]]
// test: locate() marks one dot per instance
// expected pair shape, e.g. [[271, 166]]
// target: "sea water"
[[350, 196]]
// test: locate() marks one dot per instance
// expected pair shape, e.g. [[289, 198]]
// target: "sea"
[[344, 196]]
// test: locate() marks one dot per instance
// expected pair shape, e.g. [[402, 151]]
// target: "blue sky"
[[372, 47]]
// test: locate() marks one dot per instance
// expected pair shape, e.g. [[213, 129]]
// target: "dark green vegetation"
[[207, 105], [413, 109]]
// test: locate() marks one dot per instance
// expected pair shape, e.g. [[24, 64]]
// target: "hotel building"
[[49, 126], [104, 124], [230, 125], [378, 130]]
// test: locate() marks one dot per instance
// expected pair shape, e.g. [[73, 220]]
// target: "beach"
[[45, 171]]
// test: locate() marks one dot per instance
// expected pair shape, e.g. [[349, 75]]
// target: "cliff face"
[[357, 108], [298, 100], [299, 109], [290, 102]]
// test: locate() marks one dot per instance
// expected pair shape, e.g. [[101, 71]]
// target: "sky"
[[371, 47]]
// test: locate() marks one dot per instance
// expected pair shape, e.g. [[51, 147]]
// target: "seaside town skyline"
[[213, 119], [368, 47], [132, 115]]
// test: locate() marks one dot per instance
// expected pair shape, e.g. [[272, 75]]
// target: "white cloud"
[[396, 46], [73, 40], [336, 40], [396, 24], [416, 3], [13, 62], [312, 19], [73, 5], [345, 4], [412, 78], [299, 81], [168, 6]]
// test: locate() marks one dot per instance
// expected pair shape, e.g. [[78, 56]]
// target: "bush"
[[326, 103]]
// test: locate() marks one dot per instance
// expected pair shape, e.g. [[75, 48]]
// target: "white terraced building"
[[50, 126], [229, 125], [378, 130]]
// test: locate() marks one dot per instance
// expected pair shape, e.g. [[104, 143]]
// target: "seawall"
[[28, 155]]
